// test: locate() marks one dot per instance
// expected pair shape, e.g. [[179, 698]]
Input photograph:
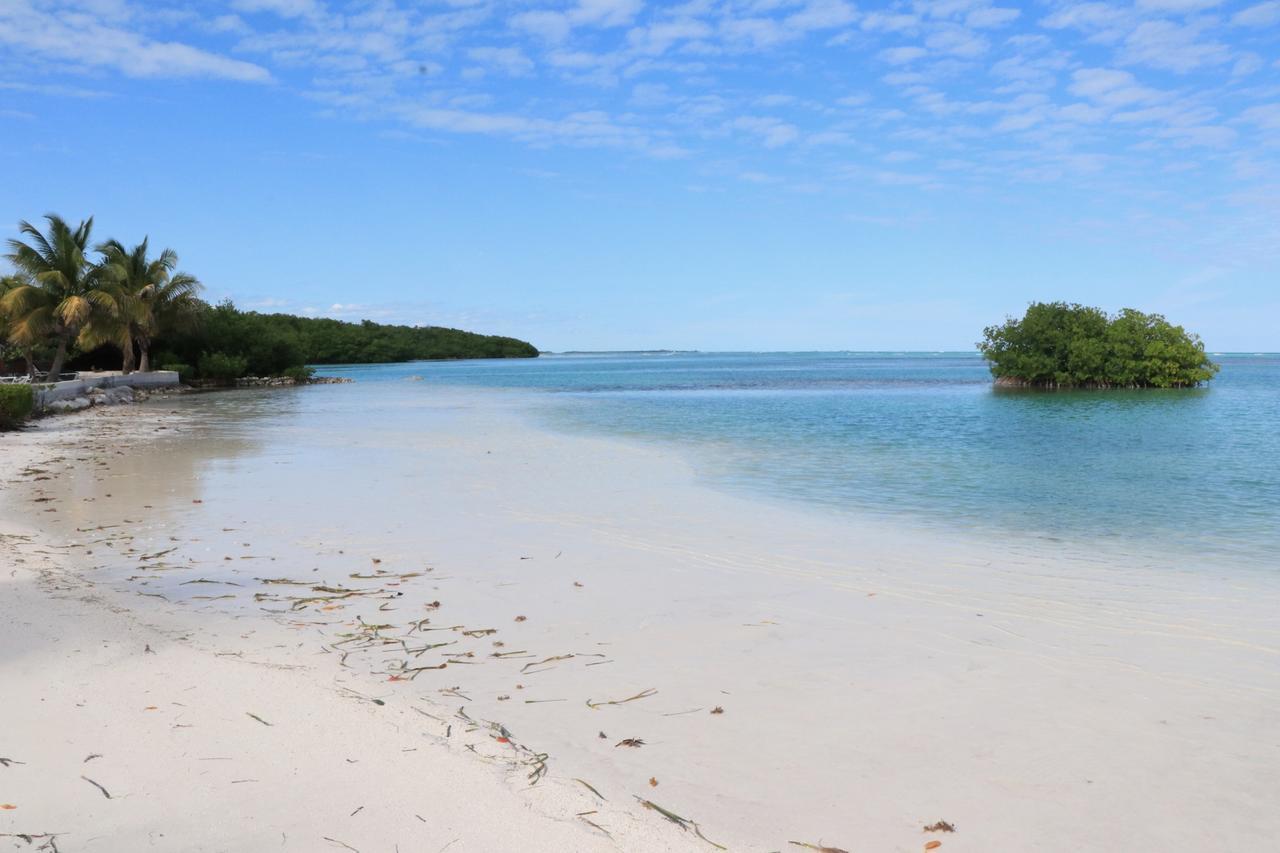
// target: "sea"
[[925, 438]]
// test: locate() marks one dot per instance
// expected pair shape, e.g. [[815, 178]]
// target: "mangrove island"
[[1061, 345]]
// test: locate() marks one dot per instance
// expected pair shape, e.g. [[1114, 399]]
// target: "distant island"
[[1061, 345], [64, 308]]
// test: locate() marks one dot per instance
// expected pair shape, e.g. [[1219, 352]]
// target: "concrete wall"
[[72, 388]]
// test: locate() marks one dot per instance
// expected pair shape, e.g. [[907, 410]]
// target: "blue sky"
[[598, 174]]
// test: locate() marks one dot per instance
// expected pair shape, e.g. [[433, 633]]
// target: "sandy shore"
[[130, 725], [492, 585]]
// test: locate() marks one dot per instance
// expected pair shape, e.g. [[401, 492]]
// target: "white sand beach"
[[361, 634]]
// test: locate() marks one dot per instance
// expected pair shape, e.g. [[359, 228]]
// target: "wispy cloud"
[[82, 38], [738, 86]]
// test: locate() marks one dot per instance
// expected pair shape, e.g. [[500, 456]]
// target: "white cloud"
[[556, 26], [84, 40], [591, 128], [1172, 47], [1107, 22], [659, 80], [508, 60], [1266, 116], [958, 41], [1177, 5], [1082, 113], [1110, 88], [772, 132], [1260, 15], [283, 8], [902, 55], [991, 16], [659, 37], [1246, 64], [822, 15], [889, 22], [1198, 135], [755, 32], [54, 90]]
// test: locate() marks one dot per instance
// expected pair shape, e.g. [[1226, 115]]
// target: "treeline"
[[1061, 345], [71, 303], [225, 342]]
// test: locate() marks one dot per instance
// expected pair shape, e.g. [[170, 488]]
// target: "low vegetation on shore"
[[16, 403], [64, 307], [1061, 345]]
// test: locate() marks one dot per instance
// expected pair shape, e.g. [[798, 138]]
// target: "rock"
[[264, 381], [75, 404], [123, 394], [110, 396]]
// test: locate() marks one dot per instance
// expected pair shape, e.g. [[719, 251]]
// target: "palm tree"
[[8, 283], [152, 298], [65, 289], [173, 305]]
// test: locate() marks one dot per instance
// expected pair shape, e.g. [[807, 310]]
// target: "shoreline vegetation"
[[1059, 345], [64, 308]]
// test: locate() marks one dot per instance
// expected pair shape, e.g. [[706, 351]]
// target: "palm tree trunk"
[[144, 364], [126, 347], [58, 357], [30, 355]]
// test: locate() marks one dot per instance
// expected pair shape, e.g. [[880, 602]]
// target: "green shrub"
[[16, 403], [300, 374], [185, 371], [1056, 345], [223, 367]]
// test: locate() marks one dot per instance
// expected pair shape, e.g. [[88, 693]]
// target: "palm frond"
[[44, 249], [23, 300], [74, 310], [33, 327]]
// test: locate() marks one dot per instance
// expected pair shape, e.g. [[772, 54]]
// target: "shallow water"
[[925, 438]]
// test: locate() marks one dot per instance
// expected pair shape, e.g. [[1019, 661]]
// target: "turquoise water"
[[925, 437]]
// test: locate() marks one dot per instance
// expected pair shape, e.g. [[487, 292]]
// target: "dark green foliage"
[[300, 374], [1057, 345], [223, 367], [186, 372], [271, 343], [16, 402]]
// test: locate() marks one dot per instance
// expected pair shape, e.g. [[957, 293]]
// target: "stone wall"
[[83, 388]]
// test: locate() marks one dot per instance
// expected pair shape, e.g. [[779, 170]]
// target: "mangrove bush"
[[1061, 345]]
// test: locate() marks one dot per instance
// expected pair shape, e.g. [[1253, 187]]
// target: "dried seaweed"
[[643, 694], [593, 824], [683, 823], [104, 791], [552, 659], [589, 787]]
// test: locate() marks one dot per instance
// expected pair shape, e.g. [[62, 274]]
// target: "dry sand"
[[873, 679]]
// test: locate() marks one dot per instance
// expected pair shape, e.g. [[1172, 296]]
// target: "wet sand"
[[871, 679]]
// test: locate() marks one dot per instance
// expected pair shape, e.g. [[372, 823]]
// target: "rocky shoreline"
[[125, 394], [268, 382]]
